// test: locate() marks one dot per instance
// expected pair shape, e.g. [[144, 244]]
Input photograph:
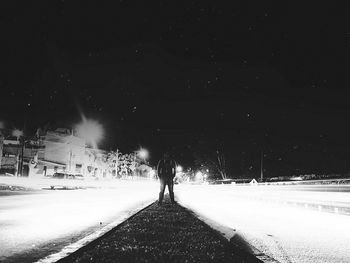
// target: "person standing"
[[166, 170]]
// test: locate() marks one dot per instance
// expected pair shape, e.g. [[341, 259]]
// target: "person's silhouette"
[[166, 172]]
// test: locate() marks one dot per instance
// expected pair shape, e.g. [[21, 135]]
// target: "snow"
[[283, 232]]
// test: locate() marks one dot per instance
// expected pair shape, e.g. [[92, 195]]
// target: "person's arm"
[[174, 167], [159, 168]]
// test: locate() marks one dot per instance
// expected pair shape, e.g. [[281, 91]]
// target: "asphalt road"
[[36, 224], [279, 221], [341, 188], [327, 198]]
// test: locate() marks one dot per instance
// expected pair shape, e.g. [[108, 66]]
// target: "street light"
[[143, 154], [19, 134], [90, 130], [179, 169]]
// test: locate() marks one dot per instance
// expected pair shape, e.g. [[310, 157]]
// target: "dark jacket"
[[166, 169]]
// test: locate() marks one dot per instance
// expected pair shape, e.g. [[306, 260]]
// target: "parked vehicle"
[[59, 175], [68, 176], [79, 177]]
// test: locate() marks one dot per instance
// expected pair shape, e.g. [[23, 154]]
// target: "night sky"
[[240, 75]]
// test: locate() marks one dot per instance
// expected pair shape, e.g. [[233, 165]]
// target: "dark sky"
[[246, 75]]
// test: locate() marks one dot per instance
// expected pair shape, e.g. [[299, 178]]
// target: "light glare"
[[17, 133], [91, 131], [143, 153], [179, 169]]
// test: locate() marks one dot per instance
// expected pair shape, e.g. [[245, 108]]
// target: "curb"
[[238, 244], [231, 235]]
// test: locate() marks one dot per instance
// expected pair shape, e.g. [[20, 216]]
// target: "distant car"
[[59, 175], [68, 176], [79, 177], [63, 176]]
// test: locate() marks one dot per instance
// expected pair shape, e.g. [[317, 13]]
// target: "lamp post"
[[179, 169], [143, 154], [19, 135], [261, 166]]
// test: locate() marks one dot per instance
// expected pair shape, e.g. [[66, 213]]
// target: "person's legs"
[[162, 189], [170, 184]]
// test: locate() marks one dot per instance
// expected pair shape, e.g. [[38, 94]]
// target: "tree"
[[124, 165], [221, 163], [113, 162], [209, 155]]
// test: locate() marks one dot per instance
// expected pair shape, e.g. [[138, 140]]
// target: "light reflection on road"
[[33, 220], [286, 233], [43, 219]]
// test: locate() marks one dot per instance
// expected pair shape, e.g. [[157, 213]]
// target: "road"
[[272, 219], [36, 224], [265, 217]]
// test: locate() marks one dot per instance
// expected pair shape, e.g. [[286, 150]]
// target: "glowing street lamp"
[[143, 154], [179, 169], [90, 130]]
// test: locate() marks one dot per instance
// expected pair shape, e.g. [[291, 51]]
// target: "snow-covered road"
[[283, 232]]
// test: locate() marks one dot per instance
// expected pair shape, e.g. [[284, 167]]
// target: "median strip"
[[167, 233]]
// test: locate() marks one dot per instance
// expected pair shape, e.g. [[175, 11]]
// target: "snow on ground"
[[285, 233], [32, 220]]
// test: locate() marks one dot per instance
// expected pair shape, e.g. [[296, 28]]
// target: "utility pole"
[[70, 161], [262, 166], [22, 155], [116, 164]]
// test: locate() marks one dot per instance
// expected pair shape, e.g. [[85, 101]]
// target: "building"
[[60, 151], [56, 151], [10, 155], [1, 146]]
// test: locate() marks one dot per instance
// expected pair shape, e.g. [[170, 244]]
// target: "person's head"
[[166, 155]]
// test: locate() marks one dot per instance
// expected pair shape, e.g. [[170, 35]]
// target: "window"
[[78, 168]]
